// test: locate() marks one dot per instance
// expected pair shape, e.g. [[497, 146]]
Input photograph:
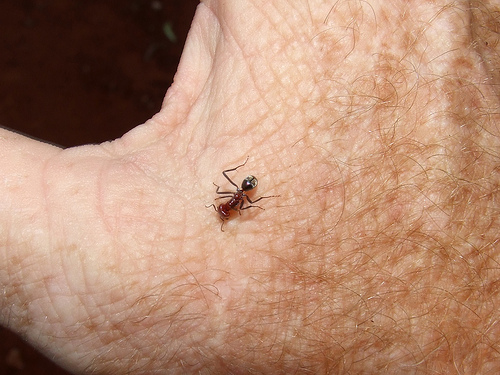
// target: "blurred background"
[[77, 71]]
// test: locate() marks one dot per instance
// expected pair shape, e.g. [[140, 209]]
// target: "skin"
[[375, 122]]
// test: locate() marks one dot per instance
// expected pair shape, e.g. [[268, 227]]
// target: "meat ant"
[[237, 198]]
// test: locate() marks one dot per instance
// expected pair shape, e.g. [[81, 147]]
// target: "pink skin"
[[376, 122]]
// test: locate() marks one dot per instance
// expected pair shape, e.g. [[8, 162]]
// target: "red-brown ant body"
[[237, 199]]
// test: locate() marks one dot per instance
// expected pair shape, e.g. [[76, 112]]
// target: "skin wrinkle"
[[381, 253]]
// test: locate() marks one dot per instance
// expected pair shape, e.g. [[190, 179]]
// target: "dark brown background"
[[75, 72]]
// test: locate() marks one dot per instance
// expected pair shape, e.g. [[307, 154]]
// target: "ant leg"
[[224, 196], [223, 192], [233, 169], [241, 206], [215, 208], [267, 196], [251, 206]]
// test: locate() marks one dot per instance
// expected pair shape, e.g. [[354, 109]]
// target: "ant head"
[[249, 183]]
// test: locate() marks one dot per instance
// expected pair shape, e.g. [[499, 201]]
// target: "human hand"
[[376, 124]]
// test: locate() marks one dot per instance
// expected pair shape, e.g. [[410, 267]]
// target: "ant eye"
[[249, 183]]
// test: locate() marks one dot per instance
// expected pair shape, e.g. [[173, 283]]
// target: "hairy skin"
[[376, 122]]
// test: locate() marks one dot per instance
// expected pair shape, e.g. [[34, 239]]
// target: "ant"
[[237, 199]]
